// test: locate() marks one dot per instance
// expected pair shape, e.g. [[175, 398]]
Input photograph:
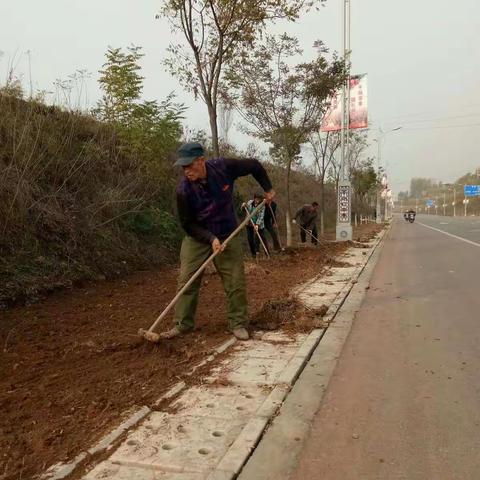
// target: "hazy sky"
[[421, 57]]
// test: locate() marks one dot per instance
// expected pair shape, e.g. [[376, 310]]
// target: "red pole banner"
[[332, 121]]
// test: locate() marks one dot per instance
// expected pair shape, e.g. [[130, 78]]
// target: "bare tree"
[[283, 104], [226, 120], [357, 143], [356, 146], [324, 147], [215, 32]]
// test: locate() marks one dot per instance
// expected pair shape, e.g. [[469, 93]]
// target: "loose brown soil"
[[288, 314], [72, 365]]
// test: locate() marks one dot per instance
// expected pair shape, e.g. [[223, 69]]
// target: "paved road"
[[404, 401], [465, 227]]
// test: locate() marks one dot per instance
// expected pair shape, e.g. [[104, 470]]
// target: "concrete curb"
[[241, 449], [283, 441]]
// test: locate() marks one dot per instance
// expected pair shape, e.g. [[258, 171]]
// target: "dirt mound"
[[289, 314], [333, 262], [255, 268], [367, 233]]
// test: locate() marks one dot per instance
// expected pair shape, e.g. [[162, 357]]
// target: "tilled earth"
[[72, 365]]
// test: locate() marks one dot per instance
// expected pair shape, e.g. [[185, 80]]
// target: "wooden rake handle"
[[308, 232]]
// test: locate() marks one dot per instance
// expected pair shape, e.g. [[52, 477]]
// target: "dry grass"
[[68, 197]]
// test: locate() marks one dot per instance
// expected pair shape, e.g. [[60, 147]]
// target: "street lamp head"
[[383, 133]]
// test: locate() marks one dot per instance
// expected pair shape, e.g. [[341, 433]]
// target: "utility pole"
[[452, 187], [454, 201], [378, 207], [29, 56], [381, 136], [444, 202], [344, 200], [388, 199], [386, 206]]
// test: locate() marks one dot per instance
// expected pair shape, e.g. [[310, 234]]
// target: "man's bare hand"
[[269, 196], [256, 228], [217, 246]]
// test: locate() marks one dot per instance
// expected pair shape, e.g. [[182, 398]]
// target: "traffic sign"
[[471, 190], [429, 203]]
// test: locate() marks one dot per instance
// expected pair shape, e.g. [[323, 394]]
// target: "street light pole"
[[378, 214], [385, 213], [379, 140], [454, 201], [344, 194]]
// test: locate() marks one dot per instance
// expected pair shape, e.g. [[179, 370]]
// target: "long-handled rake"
[[149, 334]]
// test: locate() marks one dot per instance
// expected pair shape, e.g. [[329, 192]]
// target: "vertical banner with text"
[[332, 120]]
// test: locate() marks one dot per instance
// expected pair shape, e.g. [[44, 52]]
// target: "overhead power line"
[[443, 118], [405, 118], [442, 126]]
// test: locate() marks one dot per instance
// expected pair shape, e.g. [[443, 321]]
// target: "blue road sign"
[[429, 203], [471, 190]]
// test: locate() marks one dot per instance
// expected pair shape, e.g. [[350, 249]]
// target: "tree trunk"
[[322, 205], [288, 222], [212, 113], [288, 215]]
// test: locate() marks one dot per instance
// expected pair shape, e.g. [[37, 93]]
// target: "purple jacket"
[[206, 208]]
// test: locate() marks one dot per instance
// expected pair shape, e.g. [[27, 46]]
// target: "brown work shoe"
[[241, 333]]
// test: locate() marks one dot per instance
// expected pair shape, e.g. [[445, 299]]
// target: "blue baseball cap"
[[188, 152]]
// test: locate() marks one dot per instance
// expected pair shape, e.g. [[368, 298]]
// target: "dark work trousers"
[[274, 234], [303, 235], [254, 242]]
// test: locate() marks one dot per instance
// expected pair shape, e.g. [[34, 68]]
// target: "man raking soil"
[[207, 214], [306, 218]]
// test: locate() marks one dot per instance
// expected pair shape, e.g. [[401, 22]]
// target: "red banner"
[[332, 121]]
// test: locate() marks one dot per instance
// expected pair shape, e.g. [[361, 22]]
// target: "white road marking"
[[450, 235]]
